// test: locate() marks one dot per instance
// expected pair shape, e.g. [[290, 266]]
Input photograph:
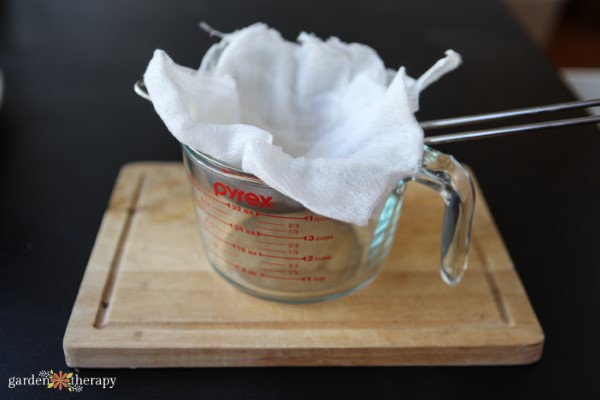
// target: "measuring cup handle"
[[444, 174]]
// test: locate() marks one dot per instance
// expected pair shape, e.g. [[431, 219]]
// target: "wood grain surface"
[[149, 297]]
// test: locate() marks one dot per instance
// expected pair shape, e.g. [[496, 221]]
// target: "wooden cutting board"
[[149, 298]]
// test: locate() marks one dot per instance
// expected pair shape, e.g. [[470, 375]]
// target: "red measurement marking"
[[215, 217], [270, 229], [311, 238], [224, 250], [273, 263], [280, 277], [199, 198], [221, 211], [313, 278], [204, 205], [316, 258], [269, 223], [316, 218], [194, 182], [203, 190], [281, 271], [277, 216], [209, 229], [276, 251], [281, 257], [246, 270], [221, 239], [280, 237], [273, 243], [215, 227], [231, 253], [201, 202], [220, 257]]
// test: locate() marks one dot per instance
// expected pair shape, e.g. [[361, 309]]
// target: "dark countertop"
[[69, 121]]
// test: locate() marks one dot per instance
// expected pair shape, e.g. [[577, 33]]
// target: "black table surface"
[[69, 121]]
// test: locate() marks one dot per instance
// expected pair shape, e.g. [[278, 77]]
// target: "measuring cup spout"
[[444, 174]]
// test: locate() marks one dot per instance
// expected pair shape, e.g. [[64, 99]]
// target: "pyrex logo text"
[[249, 198]]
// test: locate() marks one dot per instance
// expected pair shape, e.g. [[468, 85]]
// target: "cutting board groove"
[[149, 298], [109, 287]]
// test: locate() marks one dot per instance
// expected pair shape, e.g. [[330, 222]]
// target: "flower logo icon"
[[60, 380]]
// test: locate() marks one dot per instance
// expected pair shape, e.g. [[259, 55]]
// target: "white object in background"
[[584, 83]]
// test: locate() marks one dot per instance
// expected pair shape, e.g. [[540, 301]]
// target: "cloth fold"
[[323, 122]]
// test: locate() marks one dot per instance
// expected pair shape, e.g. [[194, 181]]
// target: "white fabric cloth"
[[322, 122]]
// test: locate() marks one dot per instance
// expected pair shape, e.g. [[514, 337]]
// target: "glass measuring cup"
[[271, 246]]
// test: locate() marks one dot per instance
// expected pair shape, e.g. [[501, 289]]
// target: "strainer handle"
[[140, 89], [444, 174]]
